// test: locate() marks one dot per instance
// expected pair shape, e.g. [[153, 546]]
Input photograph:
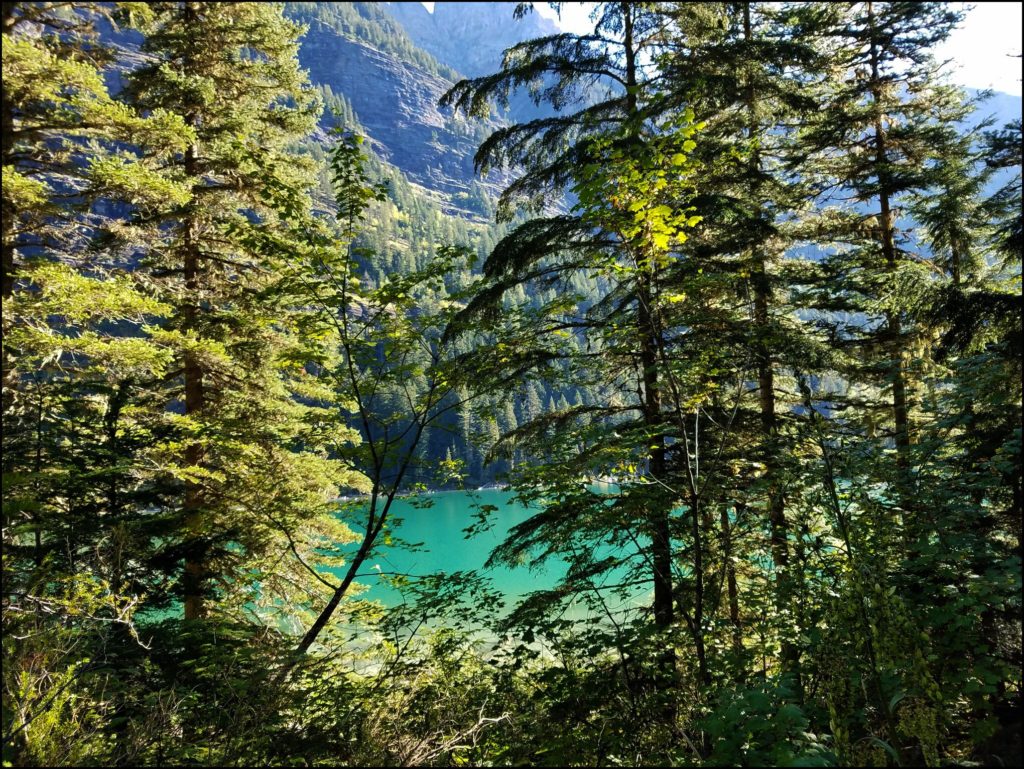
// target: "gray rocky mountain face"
[[469, 37], [396, 102], [395, 98], [472, 39]]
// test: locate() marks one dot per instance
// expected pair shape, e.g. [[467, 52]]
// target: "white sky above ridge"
[[979, 50]]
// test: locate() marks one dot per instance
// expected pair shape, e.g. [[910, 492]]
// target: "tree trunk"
[[7, 244], [730, 582], [894, 329], [778, 525], [195, 560], [658, 515], [195, 576]]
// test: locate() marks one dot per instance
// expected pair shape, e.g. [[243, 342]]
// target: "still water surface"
[[445, 547]]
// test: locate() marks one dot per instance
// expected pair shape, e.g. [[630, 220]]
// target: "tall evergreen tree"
[[625, 159], [78, 352], [885, 109], [248, 456], [76, 345], [902, 217], [745, 68]]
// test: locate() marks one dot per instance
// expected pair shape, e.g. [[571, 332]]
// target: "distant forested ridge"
[[728, 294]]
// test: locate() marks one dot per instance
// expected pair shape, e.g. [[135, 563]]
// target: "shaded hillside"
[[358, 50]]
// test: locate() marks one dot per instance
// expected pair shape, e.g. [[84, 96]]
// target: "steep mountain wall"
[[469, 37], [472, 38], [394, 89]]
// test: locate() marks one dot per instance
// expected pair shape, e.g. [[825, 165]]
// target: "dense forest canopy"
[[741, 331]]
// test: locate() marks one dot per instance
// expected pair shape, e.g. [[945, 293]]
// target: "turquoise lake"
[[445, 547]]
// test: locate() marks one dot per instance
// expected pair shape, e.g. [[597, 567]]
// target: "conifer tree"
[[79, 355], [59, 131], [972, 411], [744, 67], [77, 347], [902, 216], [1004, 152], [248, 455], [626, 162], [885, 108]]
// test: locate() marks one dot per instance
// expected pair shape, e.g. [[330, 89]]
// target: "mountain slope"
[[469, 37], [358, 50], [472, 37]]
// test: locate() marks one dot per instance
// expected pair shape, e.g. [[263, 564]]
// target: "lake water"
[[445, 547]]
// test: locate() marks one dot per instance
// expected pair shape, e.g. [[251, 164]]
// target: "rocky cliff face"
[[397, 102], [472, 38], [393, 61], [469, 37]]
